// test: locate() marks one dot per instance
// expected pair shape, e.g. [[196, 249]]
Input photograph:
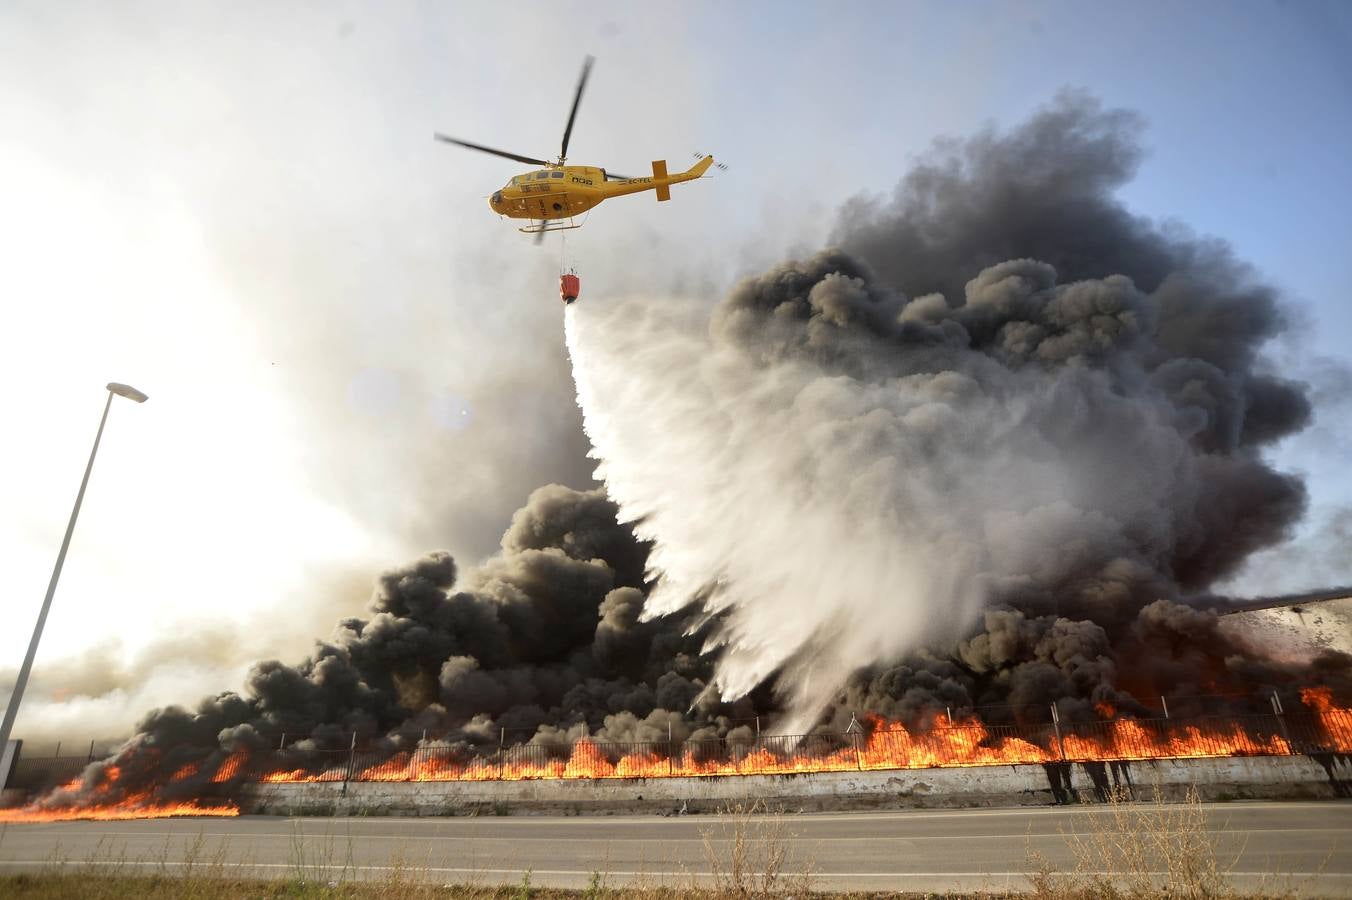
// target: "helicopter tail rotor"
[[722, 167]]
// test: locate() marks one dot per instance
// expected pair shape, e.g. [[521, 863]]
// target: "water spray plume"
[[760, 503]]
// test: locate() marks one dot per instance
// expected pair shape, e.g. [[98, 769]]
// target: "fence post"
[[91, 751], [671, 751], [1056, 725], [949, 711], [1165, 704], [854, 739], [1281, 721], [352, 762], [281, 745], [57, 754], [502, 753], [758, 733]]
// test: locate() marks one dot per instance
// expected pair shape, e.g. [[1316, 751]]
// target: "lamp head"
[[126, 390]]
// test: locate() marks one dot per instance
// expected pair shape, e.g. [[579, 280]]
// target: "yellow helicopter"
[[552, 196]]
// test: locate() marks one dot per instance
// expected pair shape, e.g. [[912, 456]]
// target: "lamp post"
[[120, 390]]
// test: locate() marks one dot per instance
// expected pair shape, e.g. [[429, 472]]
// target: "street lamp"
[[122, 390]]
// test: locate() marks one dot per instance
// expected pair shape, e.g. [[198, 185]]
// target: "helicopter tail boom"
[[660, 182], [664, 181], [697, 170]]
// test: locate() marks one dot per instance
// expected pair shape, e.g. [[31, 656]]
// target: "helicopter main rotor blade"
[[577, 98], [612, 176], [529, 160]]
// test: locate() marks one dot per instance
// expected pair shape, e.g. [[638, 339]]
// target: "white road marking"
[[316, 835], [617, 872]]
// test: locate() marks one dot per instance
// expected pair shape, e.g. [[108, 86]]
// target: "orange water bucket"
[[569, 287]]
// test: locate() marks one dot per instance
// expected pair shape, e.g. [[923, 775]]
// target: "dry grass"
[[748, 850], [1138, 850], [52, 886]]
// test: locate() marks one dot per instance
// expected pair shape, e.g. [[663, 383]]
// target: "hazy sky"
[[239, 209]]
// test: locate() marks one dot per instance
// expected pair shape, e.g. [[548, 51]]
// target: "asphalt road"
[[1302, 847]]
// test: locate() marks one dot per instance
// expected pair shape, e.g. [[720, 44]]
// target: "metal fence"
[[33, 773], [939, 747]]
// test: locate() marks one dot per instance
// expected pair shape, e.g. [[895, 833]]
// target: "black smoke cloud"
[[1000, 262], [1012, 248], [1063, 403], [544, 633], [543, 641]]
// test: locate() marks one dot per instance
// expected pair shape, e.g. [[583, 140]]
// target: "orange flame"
[[186, 771], [99, 794], [124, 810], [1333, 719], [231, 767], [1319, 699], [889, 745], [884, 745]]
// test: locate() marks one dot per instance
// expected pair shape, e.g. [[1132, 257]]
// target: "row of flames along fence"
[[885, 746], [1317, 726]]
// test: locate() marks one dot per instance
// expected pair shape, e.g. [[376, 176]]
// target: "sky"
[[239, 209]]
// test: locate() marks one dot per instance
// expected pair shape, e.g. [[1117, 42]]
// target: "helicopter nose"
[[495, 200]]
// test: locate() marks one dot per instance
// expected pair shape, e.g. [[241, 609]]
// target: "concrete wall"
[[1233, 778]]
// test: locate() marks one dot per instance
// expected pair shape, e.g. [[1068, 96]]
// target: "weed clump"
[[1138, 850]]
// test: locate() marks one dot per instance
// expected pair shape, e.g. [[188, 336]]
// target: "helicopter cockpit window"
[[541, 175]]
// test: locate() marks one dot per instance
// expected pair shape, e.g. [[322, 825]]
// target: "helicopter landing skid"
[[548, 225]]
